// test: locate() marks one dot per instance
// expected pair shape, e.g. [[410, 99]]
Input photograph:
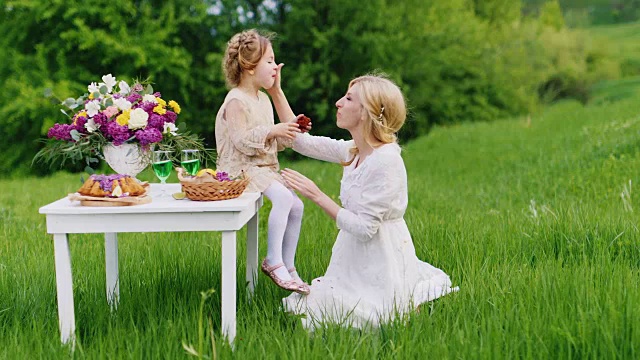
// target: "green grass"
[[536, 221]]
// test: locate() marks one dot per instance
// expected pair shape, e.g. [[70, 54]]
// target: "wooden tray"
[[106, 201]]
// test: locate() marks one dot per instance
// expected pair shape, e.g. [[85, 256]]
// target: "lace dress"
[[374, 274], [241, 143]]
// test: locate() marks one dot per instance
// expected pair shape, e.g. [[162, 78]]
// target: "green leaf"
[[89, 170], [48, 92], [69, 102], [148, 90], [108, 102], [64, 112], [104, 90], [75, 135], [96, 94]]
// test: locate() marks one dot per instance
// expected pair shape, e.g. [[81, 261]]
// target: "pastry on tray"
[[111, 186]]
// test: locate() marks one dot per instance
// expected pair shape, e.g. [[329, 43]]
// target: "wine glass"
[[190, 161], [162, 167]]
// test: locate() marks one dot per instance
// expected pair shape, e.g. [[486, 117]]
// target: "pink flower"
[[110, 111]]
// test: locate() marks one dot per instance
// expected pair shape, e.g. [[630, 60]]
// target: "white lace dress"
[[374, 274]]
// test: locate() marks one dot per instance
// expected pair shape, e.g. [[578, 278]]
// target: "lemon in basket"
[[206, 171]]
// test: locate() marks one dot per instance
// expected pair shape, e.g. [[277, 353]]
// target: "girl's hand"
[[284, 130], [276, 88], [301, 184]]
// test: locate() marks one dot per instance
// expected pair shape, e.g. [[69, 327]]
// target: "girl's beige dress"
[[242, 143]]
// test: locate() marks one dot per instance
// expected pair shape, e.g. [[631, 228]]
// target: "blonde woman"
[[374, 274]]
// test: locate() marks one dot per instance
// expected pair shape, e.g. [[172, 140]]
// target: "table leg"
[[64, 287], [229, 285], [111, 260], [252, 254]]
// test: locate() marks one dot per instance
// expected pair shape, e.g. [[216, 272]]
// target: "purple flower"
[[79, 124], [100, 119], [61, 132], [119, 133], [222, 176], [170, 116], [137, 87], [156, 121], [148, 136], [157, 94], [134, 97], [148, 106]]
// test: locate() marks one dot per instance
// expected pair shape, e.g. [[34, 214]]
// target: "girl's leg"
[[292, 234], [281, 201]]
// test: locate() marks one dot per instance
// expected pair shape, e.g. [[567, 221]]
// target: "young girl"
[[248, 141]]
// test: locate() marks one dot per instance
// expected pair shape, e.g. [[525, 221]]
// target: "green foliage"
[[551, 15], [623, 43], [576, 63], [458, 60]]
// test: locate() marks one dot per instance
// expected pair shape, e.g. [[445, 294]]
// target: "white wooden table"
[[161, 215]]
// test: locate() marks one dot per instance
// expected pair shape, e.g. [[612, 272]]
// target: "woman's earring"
[[251, 72]]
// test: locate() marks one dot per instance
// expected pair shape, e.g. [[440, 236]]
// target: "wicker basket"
[[207, 188]]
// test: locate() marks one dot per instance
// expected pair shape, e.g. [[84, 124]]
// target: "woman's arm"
[[381, 187]]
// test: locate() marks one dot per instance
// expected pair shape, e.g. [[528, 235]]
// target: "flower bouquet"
[[114, 114]]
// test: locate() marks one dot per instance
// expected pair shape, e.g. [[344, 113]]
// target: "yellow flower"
[[161, 102], [82, 113], [91, 96], [123, 119], [159, 110], [174, 105]]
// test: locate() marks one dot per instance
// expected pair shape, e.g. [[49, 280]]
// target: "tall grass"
[[536, 219]]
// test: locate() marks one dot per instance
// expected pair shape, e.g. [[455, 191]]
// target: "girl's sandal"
[[293, 270], [291, 285]]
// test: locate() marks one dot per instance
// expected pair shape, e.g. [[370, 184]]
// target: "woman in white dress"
[[374, 274]]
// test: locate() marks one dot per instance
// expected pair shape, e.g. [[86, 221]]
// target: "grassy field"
[[536, 219]]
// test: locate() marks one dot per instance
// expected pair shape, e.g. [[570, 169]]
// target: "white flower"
[[93, 87], [149, 98], [110, 81], [91, 125], [124, 87], [122, 104], [138, 119], [170, 128], [92, 107]]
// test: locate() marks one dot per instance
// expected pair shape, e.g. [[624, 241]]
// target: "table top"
[[165, 204]]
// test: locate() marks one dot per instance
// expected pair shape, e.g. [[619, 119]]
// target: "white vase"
[[126, 159]]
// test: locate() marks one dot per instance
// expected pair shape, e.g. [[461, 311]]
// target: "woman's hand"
[[301, 184], [284, 130], [310, 190]]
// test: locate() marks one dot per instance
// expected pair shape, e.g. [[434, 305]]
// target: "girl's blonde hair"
[[244, 51], [384, 107]]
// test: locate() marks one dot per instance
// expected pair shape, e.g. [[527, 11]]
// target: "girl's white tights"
[[285, 220]]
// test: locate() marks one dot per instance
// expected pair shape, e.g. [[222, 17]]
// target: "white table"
[[161, 215]]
